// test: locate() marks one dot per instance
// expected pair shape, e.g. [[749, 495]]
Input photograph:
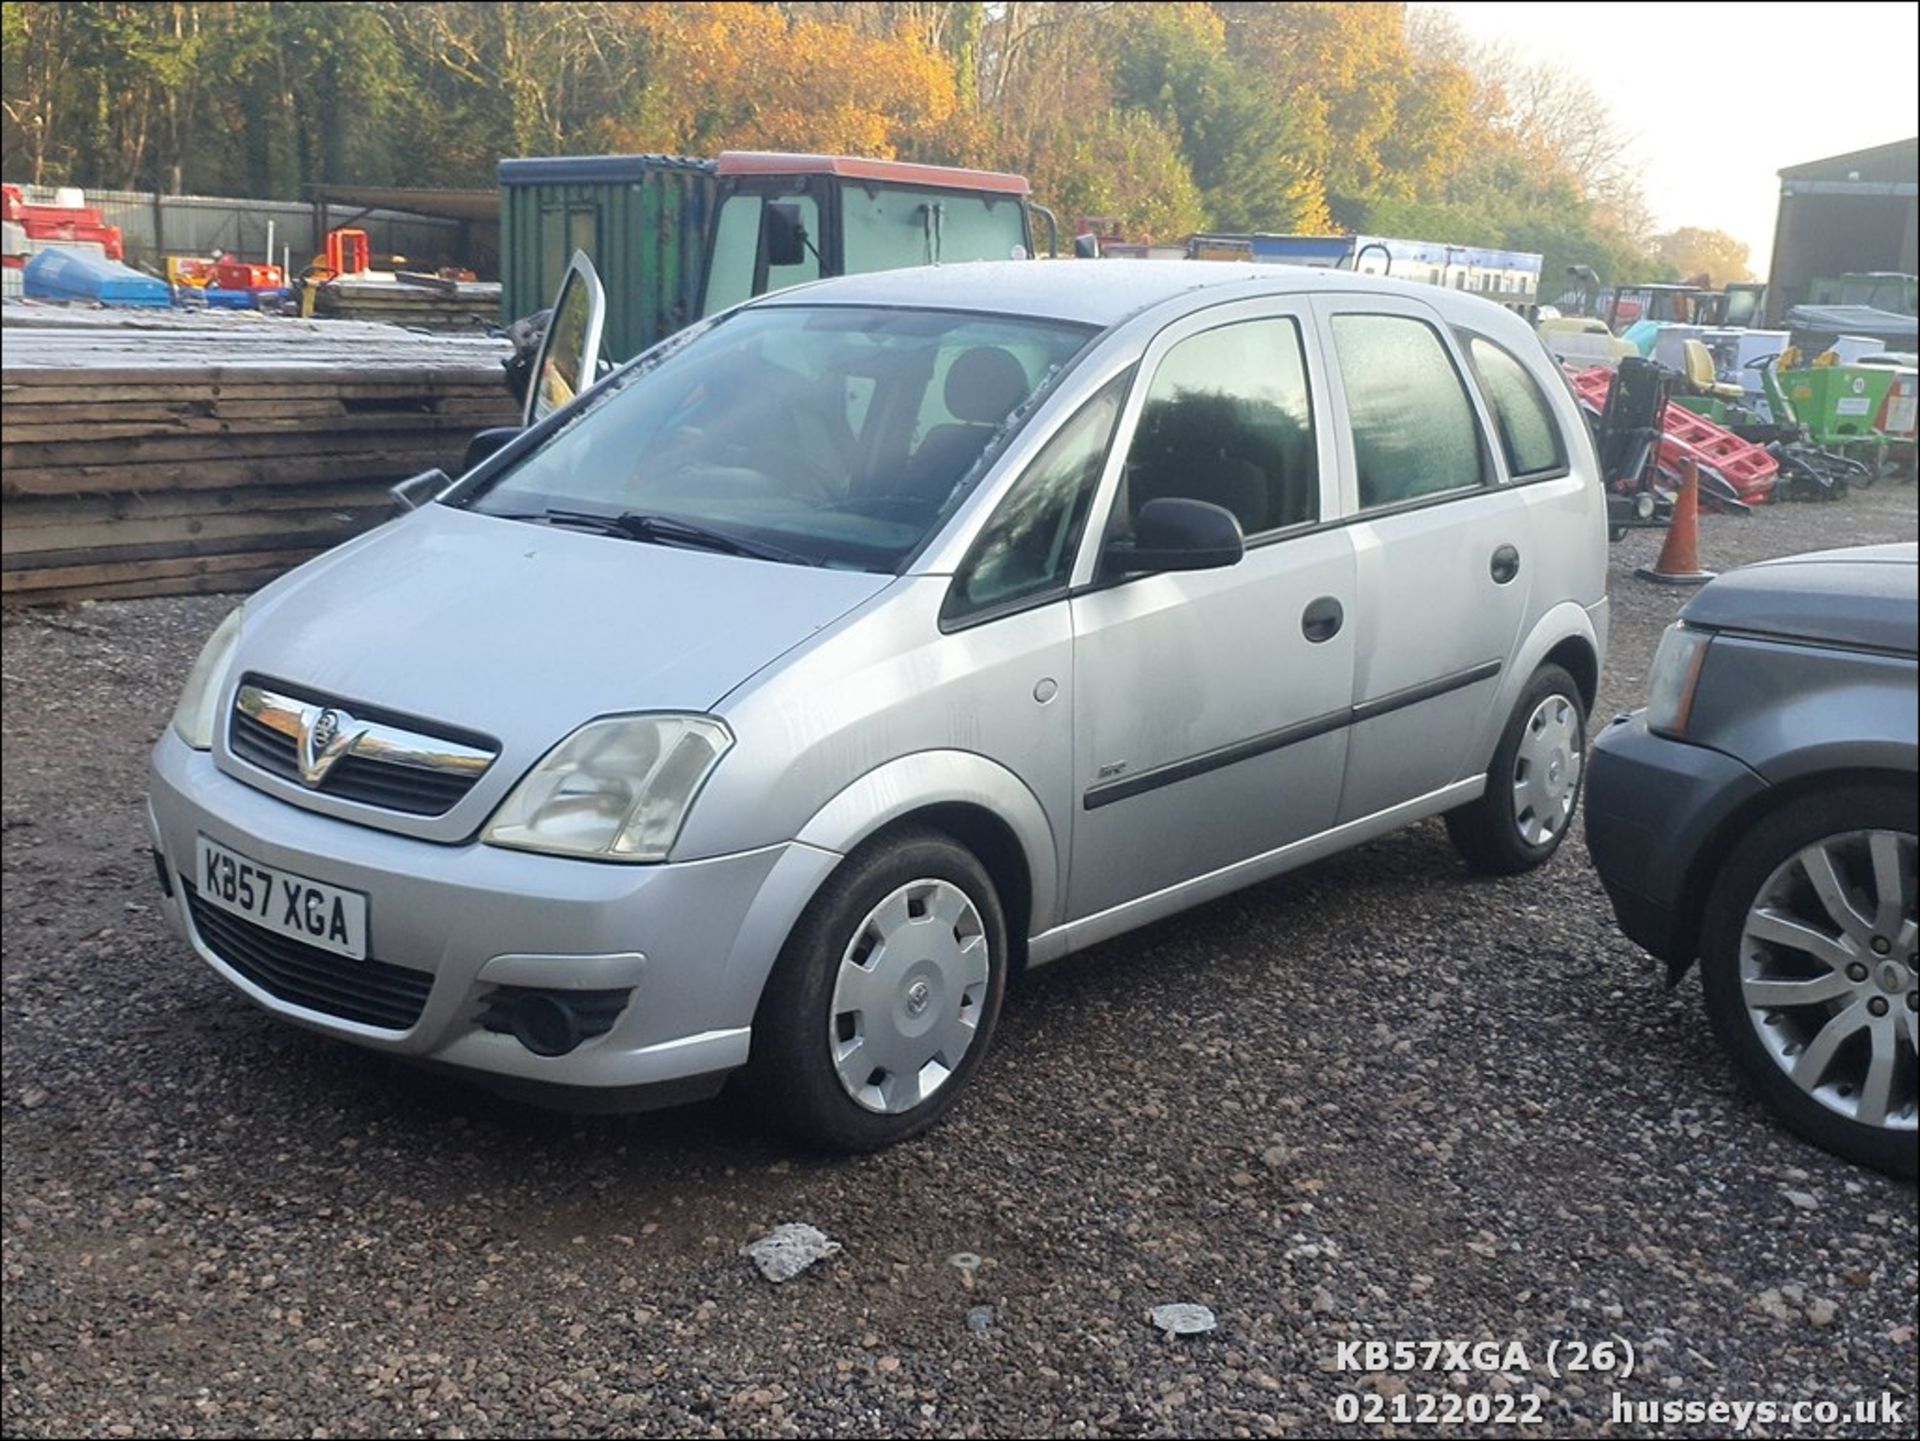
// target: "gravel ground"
[[1372, 1099]]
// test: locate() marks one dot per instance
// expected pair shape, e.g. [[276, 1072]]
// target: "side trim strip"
[[1126, 787], [1427, 690]]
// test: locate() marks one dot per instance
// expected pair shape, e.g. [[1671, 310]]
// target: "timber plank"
[[113, 572], [180, 535]]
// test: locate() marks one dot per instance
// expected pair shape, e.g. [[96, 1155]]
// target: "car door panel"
[[1444, 579], [1208, 727]]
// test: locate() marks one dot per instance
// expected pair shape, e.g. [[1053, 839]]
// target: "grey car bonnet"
[[1864, 598], [526, 631]]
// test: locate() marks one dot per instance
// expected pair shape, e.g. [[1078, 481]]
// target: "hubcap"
[[1546, 770], [908, 996], [1830, 1008]]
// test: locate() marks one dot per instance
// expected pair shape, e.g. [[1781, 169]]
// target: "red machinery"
[[1746, 468], [60, 224]]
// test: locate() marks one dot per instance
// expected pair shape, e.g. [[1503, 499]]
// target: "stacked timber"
[[165, 454], [419, 301]]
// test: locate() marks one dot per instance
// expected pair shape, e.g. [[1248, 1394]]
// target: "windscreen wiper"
[[670, 530]]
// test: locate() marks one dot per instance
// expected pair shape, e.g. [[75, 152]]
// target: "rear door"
[[1442, 550]]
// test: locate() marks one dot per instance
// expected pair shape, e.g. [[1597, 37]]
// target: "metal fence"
[[154, 226]]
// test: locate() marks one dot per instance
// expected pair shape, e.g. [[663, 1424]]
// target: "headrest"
[[984, 385]]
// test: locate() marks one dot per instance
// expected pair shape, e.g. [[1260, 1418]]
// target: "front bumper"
[[694, 940], [1654, 806]]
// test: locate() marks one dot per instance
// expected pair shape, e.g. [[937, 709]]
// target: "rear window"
[[1529, 437], [1414, 430]]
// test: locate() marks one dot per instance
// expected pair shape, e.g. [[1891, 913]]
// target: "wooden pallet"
[[164, 454]]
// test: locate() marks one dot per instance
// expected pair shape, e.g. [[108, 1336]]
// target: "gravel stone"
[[1183, 1318], [1473, 1099], [788, 1249]]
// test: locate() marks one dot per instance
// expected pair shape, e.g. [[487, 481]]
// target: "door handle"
[[1506, 564], [1321, 620]]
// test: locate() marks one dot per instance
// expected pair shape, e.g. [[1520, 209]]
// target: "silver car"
[[768, 704]]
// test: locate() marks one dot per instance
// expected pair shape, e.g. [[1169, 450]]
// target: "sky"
[[1720, 97]]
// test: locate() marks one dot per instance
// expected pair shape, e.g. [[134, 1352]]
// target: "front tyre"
[[1533, 784], [885, 996], [1808, 963]]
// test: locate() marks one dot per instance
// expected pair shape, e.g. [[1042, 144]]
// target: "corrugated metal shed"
[[1847, 213]]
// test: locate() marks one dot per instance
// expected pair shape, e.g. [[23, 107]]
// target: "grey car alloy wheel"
[[908, 996], [1827, 958]]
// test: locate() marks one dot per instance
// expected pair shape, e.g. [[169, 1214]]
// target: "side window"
[[1228, 419], [1027, 548], [1414, 430], [1529, 436], [736, 243], [808, 266]]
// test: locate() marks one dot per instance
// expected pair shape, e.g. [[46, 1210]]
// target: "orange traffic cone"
[[1679, 562]]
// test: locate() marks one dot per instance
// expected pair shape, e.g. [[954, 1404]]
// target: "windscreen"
[[839, 435]]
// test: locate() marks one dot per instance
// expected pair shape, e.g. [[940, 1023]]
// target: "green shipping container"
[[642, 220]]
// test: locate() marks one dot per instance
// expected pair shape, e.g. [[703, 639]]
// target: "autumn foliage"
[[1172, 117]]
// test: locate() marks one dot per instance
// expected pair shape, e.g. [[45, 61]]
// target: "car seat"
[[983, 386]]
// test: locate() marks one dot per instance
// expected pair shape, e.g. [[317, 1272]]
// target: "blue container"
[[81, 275]]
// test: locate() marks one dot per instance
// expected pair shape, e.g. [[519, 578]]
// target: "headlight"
[[616, 789], [1675, 677], [193, 717]]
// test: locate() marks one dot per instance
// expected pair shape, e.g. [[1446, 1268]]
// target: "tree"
[[1172, 62], [755, 76], [1692, 251]]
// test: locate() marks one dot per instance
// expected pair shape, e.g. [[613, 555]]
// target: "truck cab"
[[675, 239], [781, 219]]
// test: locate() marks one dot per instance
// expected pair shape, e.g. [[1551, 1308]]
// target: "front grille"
[[353, 778], [392, 765], [370, 992]]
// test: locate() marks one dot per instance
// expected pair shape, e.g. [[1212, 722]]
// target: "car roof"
[[1096, 292]]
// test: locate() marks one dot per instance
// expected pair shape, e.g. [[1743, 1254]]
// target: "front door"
[[1209, 706], [1442, 553]]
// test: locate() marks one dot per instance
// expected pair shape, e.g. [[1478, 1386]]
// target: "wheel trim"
[[1827, 974], [908, 996], [1546, 770]]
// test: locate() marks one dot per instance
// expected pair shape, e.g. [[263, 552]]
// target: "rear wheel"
[[1808, 964], [885, 996], [1533, 784]]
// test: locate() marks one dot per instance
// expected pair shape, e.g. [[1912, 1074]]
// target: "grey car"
[[1759, 815], [769, 702]]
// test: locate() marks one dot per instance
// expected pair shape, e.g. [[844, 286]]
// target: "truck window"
[[736, 251], [808, 267], [885, 229], [736, 241]]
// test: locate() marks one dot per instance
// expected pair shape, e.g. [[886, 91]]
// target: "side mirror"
[[486, 442], [1178, 534], [1086, 247], [418, 490], [783, 234]]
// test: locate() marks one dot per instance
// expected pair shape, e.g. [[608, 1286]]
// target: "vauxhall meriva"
[[768, 703]]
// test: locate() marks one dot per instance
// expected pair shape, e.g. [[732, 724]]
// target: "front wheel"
[[884, 998], [1808, 964], [1533, 784]]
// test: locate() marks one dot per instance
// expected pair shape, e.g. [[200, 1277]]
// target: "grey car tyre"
[[1493, 835], [807, 1024], [1752, 870]]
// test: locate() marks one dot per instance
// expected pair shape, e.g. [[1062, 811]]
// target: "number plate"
[[311, 911]]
